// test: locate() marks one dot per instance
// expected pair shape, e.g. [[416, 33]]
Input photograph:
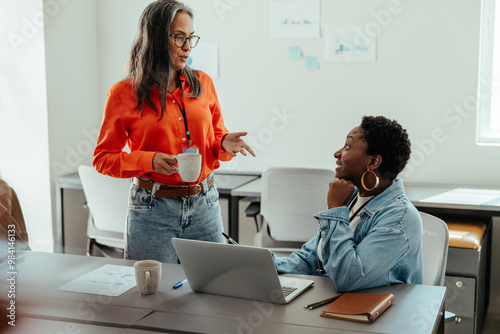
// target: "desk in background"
[[234, 187], [427, 196], [416, 193], [417, 308], [225, 183], [69, 181]]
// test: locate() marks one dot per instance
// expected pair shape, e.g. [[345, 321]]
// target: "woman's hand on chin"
[[339, 192]]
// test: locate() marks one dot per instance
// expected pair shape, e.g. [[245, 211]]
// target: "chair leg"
[[253, 210], [90, 246], [257, 225]]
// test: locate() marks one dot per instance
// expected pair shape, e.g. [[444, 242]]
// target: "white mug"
[[147, 276], [189, 166]]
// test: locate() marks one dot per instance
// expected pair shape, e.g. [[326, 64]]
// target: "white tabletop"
[[251, 189], [454, 197]]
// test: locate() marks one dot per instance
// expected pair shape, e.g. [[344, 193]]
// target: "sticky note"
[[312, 63], [294, 52]]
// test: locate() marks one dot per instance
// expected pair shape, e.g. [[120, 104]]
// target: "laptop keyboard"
[[287, 290]]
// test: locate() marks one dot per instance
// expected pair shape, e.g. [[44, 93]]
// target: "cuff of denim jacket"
[[278, 264], [340, 213]]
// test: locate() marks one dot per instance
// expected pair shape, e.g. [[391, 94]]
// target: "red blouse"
[[146, 135]]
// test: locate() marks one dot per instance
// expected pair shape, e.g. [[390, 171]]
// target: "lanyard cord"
[[320, 271], [353, 202], [183, 109]]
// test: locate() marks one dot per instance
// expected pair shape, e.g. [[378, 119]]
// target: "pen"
[[179, 284], [321, 303], [229, 239]]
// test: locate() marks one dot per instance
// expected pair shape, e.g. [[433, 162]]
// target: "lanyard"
[[183, 110], [353, 202]]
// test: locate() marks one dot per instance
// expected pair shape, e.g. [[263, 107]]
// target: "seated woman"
[[371, 234]]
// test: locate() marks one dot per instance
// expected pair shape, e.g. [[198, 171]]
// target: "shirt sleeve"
[[109, 157], [304, 262], [367, 264]]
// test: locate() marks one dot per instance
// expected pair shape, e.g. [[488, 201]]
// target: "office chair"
[[435, 249], [290, 199], [12, 218], [107, 201]]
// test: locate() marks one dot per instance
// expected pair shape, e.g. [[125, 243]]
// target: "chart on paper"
[[108, 280]]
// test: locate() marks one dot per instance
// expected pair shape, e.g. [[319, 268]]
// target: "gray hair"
[[150, 63]]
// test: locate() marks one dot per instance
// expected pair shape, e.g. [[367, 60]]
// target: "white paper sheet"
[[205, 57], [108, 280], [465, 196], [349, 44], [295, 19]]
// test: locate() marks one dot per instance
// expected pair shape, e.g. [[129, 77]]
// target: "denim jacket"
[[385, 248]]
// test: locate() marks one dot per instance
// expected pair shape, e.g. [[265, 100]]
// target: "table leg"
[[440, 329], [233, 214], [59, 228]]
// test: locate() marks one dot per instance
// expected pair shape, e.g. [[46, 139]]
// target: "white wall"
[[72, 81], [425, 76], [426, 70], [49, 98], [24, 152], [73, 96]]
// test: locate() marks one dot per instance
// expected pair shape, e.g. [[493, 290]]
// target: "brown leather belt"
[[171, 191]]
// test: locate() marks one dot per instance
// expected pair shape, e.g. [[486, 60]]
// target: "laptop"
[[236, 271]]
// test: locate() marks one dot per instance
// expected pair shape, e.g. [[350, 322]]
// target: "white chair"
[[107, 201], [290, 199], [435, 249]]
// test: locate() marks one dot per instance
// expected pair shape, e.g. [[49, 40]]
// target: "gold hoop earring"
[[363, 181]]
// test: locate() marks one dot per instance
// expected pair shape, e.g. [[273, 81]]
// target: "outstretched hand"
[[233, 144]]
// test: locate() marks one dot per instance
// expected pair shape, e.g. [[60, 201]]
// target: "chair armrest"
[[253, 209]]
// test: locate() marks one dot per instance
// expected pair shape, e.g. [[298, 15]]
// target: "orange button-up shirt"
[[146, 135]]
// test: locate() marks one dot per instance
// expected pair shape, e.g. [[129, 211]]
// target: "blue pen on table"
[[179, 284], [229, 239]]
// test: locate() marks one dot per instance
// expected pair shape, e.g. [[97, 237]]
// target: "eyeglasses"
[[180, 40]]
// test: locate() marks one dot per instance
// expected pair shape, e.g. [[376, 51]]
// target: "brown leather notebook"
[[362, 307]]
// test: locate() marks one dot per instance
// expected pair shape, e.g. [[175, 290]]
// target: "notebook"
[[360, 307], [236, 271]]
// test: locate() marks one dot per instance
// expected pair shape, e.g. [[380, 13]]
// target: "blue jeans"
[[152, 222]]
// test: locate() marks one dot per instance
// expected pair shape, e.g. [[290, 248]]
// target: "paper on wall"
[[349, 44], [205, 57], [295, 19]]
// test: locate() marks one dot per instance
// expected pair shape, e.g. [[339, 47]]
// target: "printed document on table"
[[466, 196], [108, 280]]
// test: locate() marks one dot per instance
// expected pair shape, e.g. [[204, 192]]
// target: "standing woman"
[[164, 108]]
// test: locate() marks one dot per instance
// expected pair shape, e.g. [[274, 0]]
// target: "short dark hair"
[[388, 139]]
